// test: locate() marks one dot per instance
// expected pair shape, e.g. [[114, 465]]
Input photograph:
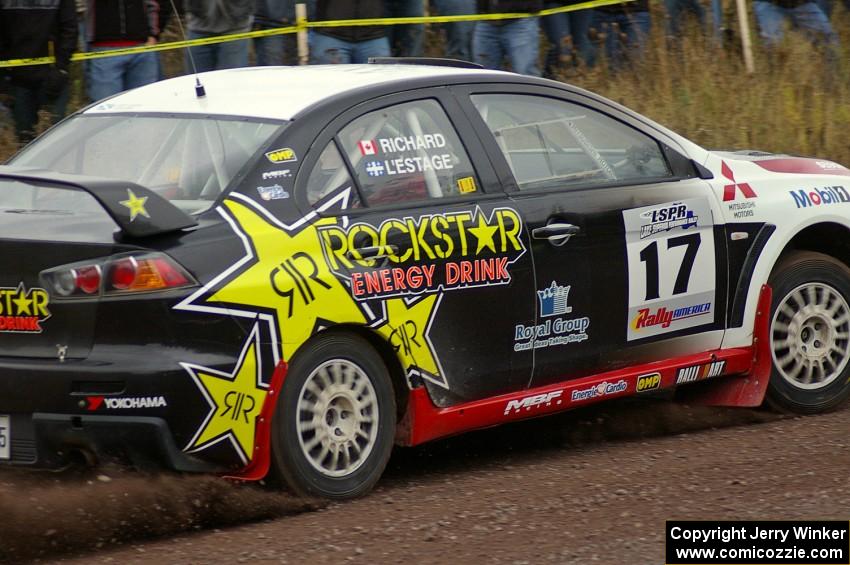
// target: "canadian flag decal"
[[367, 147]]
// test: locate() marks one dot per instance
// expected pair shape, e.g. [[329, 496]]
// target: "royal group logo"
[[601, 389], [700, 372], [820, 196], [651, 381], [553, 300], [666, 218], [22, 310]]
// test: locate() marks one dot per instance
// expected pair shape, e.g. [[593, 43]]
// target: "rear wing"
[[138, 211]]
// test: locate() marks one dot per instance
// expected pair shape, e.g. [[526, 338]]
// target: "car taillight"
[[119, 274]]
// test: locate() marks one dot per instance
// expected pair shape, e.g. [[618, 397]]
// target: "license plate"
[[5, 437]]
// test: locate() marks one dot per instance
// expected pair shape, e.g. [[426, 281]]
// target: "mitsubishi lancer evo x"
[[283, 272]]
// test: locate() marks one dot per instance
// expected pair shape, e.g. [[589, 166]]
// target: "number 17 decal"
[[670, 250]]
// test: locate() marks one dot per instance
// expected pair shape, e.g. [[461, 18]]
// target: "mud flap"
[[748, 390]]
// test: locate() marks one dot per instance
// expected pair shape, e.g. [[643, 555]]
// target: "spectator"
[[805, 15], [114, 24], [209, 18], [458, 34], [677, 10], [625, 29], [567, 36], [518, 40], [270, 14], [405, 39], [353, 44], [27, 27]]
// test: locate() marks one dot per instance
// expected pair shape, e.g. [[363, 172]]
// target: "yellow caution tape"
[[303, 25]]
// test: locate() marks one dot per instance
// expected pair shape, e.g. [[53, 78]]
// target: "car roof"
[[275, 92]]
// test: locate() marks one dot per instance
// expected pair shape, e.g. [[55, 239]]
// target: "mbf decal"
[[671, 266]]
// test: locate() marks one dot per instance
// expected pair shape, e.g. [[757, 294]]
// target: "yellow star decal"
[[406, 331], [290, 276], [484, 234], [22, 302], [135, 204], [236, 401]]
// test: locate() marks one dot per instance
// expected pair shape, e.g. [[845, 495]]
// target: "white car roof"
[[269, 92]]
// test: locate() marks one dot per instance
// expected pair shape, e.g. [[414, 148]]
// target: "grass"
[[795, 102]]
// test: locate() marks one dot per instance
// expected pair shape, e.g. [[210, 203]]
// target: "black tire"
[[809, 376], [302, 467]]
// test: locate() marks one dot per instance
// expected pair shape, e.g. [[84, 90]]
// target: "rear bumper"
[[43, 440]]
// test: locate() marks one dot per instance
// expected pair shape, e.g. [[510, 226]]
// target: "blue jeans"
[[458, 34], [228, 55], [327, 50], [276, 50], [405, 40], [676, 11], [634, 26], [567, 35], [807, 17], [26, 102], [112, 75], [519, 40]]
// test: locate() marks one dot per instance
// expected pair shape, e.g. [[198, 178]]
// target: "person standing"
[[116, 24], [518, 40], [270, 14], [27, 29], [406, 40], [209, 18], [567, 36], [625, 28], [355, 44], [805, 15], [458, 34]]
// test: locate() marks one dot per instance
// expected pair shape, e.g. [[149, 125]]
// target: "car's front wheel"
[[335, 419], [809, 333]]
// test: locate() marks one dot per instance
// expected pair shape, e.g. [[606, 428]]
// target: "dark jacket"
[[216, 17], [351, 10], [121, 22], [626, 8], [26, 29], [273, 13], [508, 6]]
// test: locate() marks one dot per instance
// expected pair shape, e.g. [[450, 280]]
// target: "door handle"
[[556, 233], [373, 252]]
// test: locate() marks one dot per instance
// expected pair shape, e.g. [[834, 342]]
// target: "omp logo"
[[529, 402], [127, 403], [820, 196], [648, 382], [22, 310], [284, 155], [699, 372]]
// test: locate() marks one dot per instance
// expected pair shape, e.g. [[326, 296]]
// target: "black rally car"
[[304, 266]]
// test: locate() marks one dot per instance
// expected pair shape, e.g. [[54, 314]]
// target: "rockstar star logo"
[[22, 302], [407, 328], [135, 204], [484, 234], [236, 400]]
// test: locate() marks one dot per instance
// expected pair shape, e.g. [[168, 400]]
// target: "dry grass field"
[[795, 102]]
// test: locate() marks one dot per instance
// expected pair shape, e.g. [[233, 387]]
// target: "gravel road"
[[590, 486]]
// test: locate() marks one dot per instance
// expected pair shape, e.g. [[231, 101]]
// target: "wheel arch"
[[829, 238]]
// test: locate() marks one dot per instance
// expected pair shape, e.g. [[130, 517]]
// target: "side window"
[[407, 152], [328, 175], [552, 143]]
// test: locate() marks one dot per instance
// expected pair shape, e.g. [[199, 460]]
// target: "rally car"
[[282, 272]]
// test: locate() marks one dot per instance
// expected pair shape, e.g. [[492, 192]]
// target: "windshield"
[[188, 160]]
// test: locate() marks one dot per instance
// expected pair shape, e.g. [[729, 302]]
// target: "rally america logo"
[[367, 147]]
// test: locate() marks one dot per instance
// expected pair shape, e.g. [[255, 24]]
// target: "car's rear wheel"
[[809, 333], [335, 420]]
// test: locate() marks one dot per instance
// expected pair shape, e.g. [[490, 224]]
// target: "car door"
[[629, 266], [431, 247]]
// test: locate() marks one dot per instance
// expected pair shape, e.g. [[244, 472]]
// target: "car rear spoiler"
[[138, 211]]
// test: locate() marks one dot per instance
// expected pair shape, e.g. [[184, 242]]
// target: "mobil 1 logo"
[[671, 267]]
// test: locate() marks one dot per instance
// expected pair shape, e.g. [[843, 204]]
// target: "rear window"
[[186, 159]]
